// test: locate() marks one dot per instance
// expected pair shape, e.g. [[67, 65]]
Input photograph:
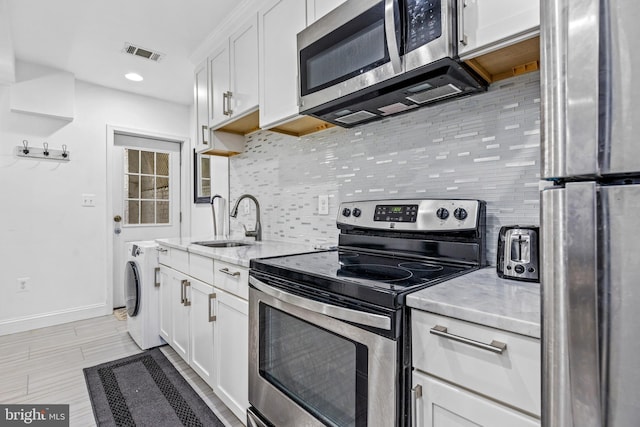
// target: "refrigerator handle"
[[582, 303], [569, 87]]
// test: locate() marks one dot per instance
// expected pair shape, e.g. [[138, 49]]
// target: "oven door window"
[[355, 48], [324, 373]]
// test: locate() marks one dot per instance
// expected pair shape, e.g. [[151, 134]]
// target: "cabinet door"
[[202, 330], [218, 85], [231, 352], [166, 304], [444, 405], [316, 9], [180, 285], [244, 68], [492, 24], [201, 91], [280, 22]]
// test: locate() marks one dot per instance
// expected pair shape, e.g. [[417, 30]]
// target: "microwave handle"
[[390, 33], [340, 313]]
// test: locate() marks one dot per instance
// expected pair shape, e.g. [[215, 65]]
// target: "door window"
[[146, 187]]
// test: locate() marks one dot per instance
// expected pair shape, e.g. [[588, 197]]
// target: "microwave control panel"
[[424, 22]]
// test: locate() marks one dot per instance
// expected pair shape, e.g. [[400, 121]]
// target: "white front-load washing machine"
[[142, 293]]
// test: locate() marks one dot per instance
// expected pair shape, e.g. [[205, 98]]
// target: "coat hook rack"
[[43, 153]]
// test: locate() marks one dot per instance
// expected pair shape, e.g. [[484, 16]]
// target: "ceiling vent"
[[132, 49]]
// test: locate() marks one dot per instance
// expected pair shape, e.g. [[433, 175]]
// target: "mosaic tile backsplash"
[[482, 147]]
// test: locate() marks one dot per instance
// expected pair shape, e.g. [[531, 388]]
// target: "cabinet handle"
[[224, 103], [416, 393], [229, 272], [161, 250], [495, 346], [182, 291], [204, 138], [187, 303], [462, 37], [212, 317], [229, 110], [156, 272]]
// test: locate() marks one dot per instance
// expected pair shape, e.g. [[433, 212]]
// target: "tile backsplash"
[[482, 147]]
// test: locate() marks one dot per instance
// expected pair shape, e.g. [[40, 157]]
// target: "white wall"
[[44, 232]]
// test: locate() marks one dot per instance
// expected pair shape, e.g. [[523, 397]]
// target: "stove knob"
[[460, 214], [519, 269], [346, 212], [357, 212], [442, 213]]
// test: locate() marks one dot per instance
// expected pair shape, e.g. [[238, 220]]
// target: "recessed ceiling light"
[[134, 77]]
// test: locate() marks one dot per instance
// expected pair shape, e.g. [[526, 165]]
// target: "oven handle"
[[341, 313]]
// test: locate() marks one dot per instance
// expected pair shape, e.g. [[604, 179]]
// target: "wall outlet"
[[89, 200], [23, 284], [323, 204]]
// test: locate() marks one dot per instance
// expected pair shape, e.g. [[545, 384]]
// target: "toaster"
[[518, 253]]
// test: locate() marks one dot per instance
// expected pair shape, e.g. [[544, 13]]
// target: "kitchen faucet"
[[257, 233], [213, 213]]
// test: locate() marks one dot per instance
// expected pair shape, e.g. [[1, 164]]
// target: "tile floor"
[[45, 366]]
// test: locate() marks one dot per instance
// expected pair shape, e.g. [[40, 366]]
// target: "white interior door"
[[146, 197]]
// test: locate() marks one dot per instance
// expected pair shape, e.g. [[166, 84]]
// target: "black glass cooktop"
[[372, 278]]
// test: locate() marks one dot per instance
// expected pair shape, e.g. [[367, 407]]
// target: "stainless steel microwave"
[[369, 59]]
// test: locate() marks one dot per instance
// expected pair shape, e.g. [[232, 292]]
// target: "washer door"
[[132, 288]]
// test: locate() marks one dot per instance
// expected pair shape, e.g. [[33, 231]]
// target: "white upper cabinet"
[[218, 85], [316, 9], [489, 25], [233, 76], [243, 51], [202, 109], [280, 22]]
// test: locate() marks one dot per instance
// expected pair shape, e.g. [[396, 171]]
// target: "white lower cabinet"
[[208, 324], [466, 374], [444, 405], [202, 330], [231, 353]]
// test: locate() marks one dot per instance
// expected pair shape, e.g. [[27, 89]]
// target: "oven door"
[[313, 369], [355, 46]]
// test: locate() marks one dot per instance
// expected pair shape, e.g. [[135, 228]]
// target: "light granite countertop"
[[484, 298], [239, 255]]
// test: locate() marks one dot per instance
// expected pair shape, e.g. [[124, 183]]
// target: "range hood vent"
[[436, 82], [141, 52]]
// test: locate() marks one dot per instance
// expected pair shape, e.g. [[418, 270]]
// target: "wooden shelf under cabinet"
[[244, 125], [301, 126], [519, 58]]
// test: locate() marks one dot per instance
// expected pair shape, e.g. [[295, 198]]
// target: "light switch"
[[89, 200]]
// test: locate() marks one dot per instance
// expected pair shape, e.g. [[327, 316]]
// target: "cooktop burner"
[[373, 278]]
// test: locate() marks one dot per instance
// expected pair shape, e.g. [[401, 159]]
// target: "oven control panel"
[[412, 215]]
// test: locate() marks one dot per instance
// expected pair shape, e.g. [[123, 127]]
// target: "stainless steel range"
[[329, 338]]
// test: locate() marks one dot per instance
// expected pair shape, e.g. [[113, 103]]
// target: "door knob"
[[117, 218]]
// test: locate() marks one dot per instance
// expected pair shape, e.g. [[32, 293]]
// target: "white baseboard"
[[27, 323]]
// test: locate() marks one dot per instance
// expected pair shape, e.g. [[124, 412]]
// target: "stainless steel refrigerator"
[[591, 217]]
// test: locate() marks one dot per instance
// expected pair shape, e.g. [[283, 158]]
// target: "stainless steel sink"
[[221, 244]]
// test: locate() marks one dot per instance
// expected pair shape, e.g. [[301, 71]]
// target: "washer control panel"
[[411, 215]]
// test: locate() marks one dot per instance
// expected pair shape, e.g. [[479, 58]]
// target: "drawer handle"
[[212, 317], [162, 250], [495, 346], [229, 272]]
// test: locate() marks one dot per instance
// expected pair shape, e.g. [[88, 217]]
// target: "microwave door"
[[347, 50]]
